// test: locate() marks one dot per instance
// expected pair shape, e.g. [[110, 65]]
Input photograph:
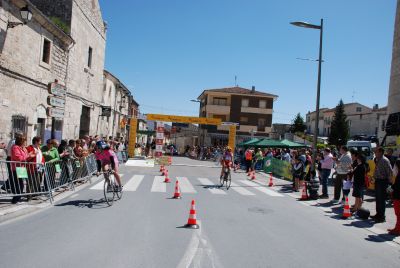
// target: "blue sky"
[[168, 52]]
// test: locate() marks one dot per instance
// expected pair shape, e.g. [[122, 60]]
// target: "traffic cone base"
[[346, 209], [167, 180], [177, 194], [271, 182], [192, 221], [304, 195]]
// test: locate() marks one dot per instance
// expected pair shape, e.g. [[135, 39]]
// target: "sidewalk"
[[336, 210]]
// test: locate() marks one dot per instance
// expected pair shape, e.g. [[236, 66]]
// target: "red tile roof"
[[239, 90]]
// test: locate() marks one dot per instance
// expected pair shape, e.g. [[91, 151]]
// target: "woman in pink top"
[[18, 154]]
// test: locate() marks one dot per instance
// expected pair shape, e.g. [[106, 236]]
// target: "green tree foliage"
[[339, 126], [61, 24], [298, 124]]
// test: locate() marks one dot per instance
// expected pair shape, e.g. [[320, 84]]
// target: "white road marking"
[[185, 185], [133, 183], [240, 189], [159, 185], [98, 186], [191, 250], [261, 188], [207, 182]]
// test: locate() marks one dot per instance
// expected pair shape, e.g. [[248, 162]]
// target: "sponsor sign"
[[232, 137], [229, 124], [159, 148], [55, 112], [132, 137], [56, 102], [160, 129], [160, 136], [57, 89], [184, 119], [159, 142]]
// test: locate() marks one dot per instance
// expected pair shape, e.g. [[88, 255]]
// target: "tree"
[[339, 126], [298, 124]]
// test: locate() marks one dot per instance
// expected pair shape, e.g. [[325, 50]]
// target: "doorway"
[[84, 125]]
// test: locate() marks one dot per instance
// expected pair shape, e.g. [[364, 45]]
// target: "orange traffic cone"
[[167, 180], [304, 195], [177, 194], [161, 168], [346, 209], [253, 175], [271, 181], [192, 221]]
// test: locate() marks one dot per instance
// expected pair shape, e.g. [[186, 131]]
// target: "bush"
[[61, 24]]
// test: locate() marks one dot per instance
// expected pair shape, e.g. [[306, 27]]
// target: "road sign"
[[184, 119], [56, 102], [160, 129], [55, 112], [57, 89], [160, 135], [229, 124], [159, 148], [159, 142]]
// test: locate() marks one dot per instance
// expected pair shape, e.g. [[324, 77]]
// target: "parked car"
[[365, 147]]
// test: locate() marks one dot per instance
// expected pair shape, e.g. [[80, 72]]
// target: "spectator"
[[359, 182], [389, 155], [326, 169], [248, 159], [382, 175], [298, 173], [70, 149], [50, 151], [343, 168], [78, 150], [35, 170], [19, 154], [396, 198], [286, 157]]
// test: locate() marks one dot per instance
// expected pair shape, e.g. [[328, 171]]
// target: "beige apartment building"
[[249, 108]]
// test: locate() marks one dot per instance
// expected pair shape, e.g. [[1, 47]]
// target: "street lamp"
[[321, 30], [26, 15]]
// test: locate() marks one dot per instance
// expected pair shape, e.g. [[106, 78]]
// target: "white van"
[[365, 147]]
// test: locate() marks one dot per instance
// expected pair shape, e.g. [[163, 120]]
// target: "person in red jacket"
[[35, 165], [396, 199]]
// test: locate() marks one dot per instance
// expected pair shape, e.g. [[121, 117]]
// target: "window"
[[360, 116], [19, 124], [46, 51], [358, 109], [89, 63], [261, 122], [263, 104], [244, 119], [220, 101], [245, 102]]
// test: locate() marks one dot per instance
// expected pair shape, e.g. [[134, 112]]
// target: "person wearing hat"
[[227, 159]]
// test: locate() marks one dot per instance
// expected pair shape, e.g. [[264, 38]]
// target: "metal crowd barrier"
[[31, 179]]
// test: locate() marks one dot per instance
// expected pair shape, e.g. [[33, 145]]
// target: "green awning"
[[268, 143], [248, 143], [291, 144]]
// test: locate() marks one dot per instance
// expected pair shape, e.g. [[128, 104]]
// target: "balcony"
[[218, 109]]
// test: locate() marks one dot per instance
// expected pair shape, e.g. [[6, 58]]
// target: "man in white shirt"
[[343, 168]]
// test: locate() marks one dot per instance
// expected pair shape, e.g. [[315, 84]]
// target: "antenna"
[[352, 96], [236, 81]]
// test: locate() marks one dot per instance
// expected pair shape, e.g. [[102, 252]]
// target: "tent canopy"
[[291, 144], [267, 143], [249, 142]]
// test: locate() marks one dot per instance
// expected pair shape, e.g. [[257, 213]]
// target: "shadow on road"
[[93, 204], [380, 238]]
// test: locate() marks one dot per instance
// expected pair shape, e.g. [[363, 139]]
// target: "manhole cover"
[[260, 210]]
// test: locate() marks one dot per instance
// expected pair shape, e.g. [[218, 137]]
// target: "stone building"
[[84, 82], [31, 56], [118, 100], [362, 120], [250, 108]]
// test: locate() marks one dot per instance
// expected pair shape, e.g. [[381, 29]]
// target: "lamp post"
[[321, 30], [26, 15]]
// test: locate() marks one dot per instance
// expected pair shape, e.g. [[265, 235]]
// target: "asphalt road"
[[246, 226]]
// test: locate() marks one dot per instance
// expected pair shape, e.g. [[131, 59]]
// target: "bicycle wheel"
[[118, 192], [228, 181], [108, 191]]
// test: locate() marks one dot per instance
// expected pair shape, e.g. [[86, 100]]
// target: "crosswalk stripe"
[[260, 188], [159, 185], [207, 182], [133, 183], [185, 185], [98, 186], [240, 189]]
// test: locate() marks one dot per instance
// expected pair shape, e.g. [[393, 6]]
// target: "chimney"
[[253, 89], [376, 107]]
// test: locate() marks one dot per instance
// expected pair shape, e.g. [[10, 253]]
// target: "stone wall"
[[394, 88], [23, 76]]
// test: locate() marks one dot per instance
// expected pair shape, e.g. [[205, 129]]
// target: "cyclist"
[[227, 159], [105, 156]]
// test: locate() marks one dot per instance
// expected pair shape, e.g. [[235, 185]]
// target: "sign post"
[[232, 137], [132, 137], [159, 139]]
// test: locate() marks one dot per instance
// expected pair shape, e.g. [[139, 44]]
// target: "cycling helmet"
[[228, 148], [101, 144]]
